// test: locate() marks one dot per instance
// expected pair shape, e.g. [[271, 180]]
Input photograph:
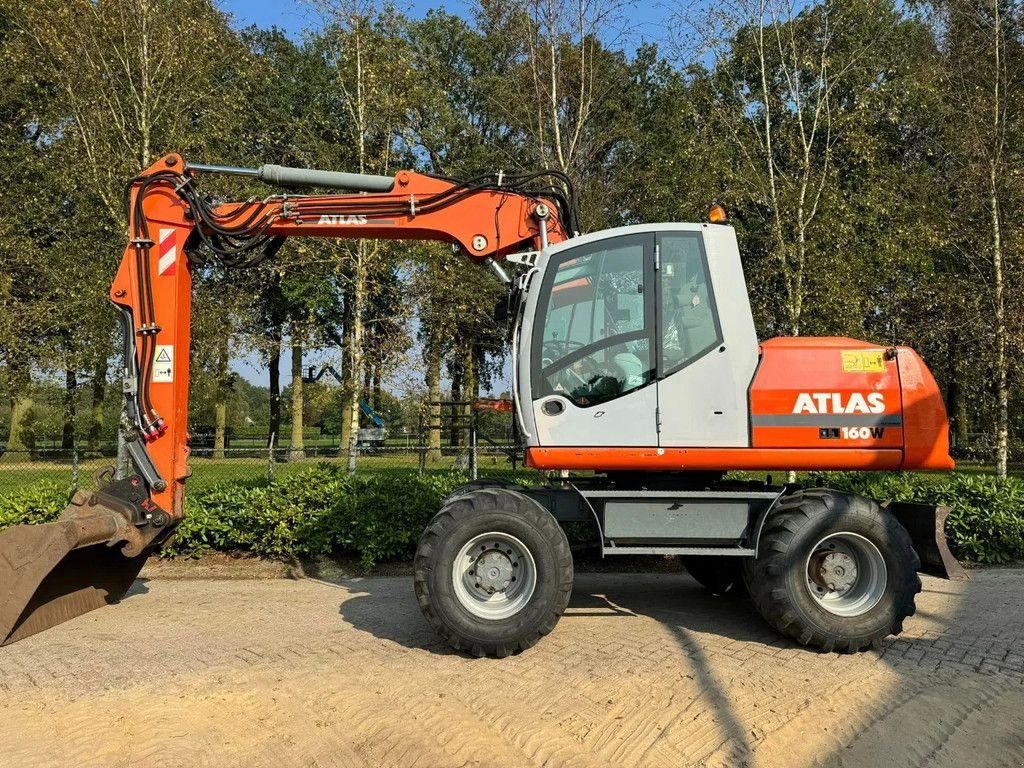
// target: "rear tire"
[[721, 575], [834, 571], [520, 596]]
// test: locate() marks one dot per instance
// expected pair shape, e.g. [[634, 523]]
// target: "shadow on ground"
[[953, 663], [675, 600]]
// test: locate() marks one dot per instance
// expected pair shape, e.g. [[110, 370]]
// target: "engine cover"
[[838, 393]]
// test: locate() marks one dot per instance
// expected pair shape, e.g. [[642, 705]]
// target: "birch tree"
[[122, 88], [362, 43], [984, 75]]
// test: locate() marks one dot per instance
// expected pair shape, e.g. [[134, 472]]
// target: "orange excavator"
[[635, 359]]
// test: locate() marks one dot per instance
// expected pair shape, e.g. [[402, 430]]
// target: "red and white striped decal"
[[168, 264]]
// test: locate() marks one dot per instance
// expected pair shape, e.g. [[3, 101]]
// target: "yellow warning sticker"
[[858, 361], [163, 364]]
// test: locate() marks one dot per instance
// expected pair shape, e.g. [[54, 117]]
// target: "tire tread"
[[480, 500], [766, 575]]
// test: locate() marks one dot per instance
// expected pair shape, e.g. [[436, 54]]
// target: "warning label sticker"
[[163, 364], [858, 361]]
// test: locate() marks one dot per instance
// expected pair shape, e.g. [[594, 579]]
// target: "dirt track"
[[642, 670]]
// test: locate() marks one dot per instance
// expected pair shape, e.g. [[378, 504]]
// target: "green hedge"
[[986, 521], [39, 502], [318, 511], [322, 510]]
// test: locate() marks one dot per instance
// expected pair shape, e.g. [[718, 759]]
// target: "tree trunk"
[[296, 450], [274, 368], [470, 387], [376, 388], [220, 406], [99, 396], [355, 352], [22, 415], [433, 416], [954, 402], [998, 284], [220, 410], [347, 427], [453, 413], [20, 438], [67, 436]]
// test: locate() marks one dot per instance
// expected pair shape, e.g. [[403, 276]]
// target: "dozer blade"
[[54, 572], [926, 525]]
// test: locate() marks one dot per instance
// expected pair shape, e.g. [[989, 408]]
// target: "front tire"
[[493, 572], [834, 571]]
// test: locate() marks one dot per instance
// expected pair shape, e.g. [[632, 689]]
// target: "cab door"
[[593, 353], [707, 346]]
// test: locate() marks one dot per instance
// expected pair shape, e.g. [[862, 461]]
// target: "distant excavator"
[[367, 436], [635, 360]]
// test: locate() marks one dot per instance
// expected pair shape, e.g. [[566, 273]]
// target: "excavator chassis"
[[89, 558], [732, 524]]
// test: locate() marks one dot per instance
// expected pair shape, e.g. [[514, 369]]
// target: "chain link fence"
[[74, 469], [465, 445], [463, 450]]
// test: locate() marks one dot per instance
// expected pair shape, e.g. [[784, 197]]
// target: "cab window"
[[688, 318], [592, 342]]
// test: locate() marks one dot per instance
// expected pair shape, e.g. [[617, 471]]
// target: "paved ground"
[[642, 670]]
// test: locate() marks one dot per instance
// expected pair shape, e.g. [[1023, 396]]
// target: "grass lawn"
[[207, 472]]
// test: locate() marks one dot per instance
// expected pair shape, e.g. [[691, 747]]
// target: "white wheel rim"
[[494, 576], [846, 574]]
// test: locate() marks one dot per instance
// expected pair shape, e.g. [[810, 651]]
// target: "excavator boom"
[[90, 557]]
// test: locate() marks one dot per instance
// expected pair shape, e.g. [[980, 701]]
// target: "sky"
[[646, 21]]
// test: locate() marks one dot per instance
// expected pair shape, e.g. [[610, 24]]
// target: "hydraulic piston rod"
[[302, 177]]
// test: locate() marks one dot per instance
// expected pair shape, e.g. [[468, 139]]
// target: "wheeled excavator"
[[638, 380]]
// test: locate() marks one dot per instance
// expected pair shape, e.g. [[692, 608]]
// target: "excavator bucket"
[[926, 525], [54, 572]]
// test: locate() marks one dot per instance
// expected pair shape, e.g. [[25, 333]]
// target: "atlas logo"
[[342, 219], [836, 402]]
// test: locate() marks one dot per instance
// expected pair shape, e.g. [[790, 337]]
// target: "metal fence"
[[75, 468], [464, 450]]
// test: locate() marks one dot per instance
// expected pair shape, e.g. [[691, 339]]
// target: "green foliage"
[[39, 503], [325, 511], [320, 511], [986, 522]]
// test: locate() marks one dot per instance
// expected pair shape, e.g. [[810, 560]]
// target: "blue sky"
[[646, 20]]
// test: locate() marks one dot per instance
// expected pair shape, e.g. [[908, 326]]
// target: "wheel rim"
[[494, 576], [846, 574]]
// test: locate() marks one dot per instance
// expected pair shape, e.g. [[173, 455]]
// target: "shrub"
[[319, 511], [323, 510], [986, 520], [38, 503]]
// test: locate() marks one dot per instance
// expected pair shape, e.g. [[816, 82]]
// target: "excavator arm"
[[91, 556]]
